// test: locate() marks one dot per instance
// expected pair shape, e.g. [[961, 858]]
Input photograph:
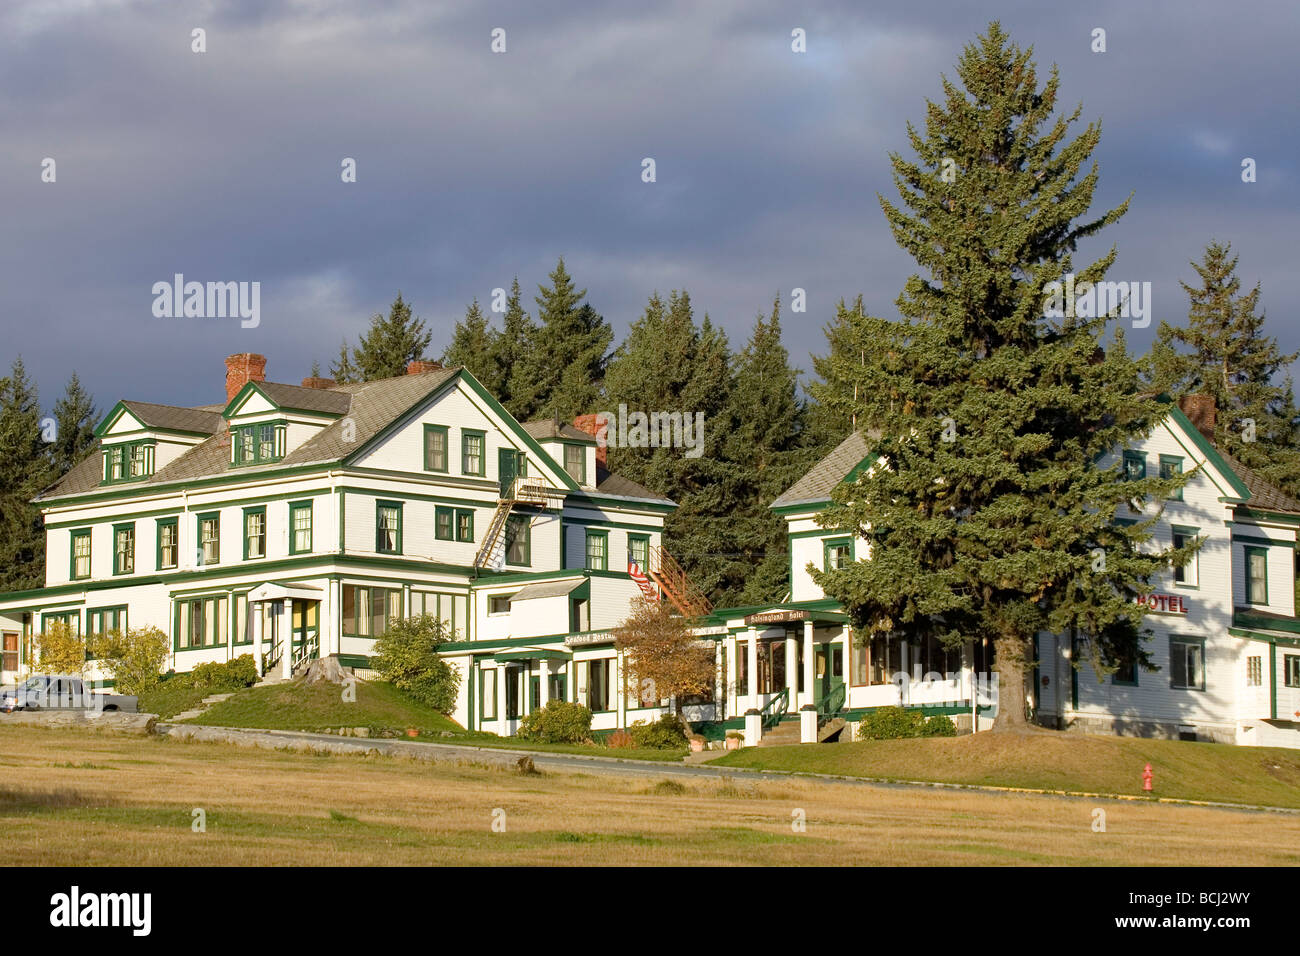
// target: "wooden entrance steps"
[[783, 734]]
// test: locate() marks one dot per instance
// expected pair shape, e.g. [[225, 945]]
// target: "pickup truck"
[[62, 692]]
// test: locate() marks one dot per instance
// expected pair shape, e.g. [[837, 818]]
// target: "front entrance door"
[[828, 670], [306, 628], [507, 468]]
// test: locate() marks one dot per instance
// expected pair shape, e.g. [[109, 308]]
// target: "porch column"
[[846, 640], [620, 688], [286, 639], [502, 722], [753, 668], [256, 611], [791, 672], [731, 677], [544, 682], [809, 694]]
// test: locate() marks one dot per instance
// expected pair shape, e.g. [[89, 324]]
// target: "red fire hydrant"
[[1146, 777]]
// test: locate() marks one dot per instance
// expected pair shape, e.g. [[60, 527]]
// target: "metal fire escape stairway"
[[677, 585], [522, 491]]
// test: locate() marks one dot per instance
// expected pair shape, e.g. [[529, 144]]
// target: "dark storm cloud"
[[474, 167]]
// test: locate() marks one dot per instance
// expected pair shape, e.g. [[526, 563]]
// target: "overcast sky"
[[474, 167]]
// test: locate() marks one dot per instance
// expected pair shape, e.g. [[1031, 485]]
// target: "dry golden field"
[[74, 798]]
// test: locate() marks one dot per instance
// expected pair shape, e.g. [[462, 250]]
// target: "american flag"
[[648, 589]]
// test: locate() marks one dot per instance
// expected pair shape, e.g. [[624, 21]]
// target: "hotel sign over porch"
[[777, 617]]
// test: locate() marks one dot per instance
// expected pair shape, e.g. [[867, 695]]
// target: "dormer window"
[[257, 444], [128, 462], [575, 463]]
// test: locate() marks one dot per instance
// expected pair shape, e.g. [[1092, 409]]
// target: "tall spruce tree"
[[1223, 351], [25, 469], [854, 339], [341, 369], [473, 345], [390, 343], [562, 371], [990, 510], [509, 352], [767, 448], [74, 419], [669, 363]]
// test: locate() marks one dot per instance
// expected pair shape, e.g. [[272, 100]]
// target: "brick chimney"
[[418, 366], [1199, 408], [242, 368], [319, 383], [588, 423]]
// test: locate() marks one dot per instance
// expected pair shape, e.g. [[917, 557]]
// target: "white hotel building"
[[296, 521]]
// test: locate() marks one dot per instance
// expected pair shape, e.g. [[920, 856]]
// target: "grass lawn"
[[295, 705], [75, 798], [379, 707], [1053, 760], [172, 697]]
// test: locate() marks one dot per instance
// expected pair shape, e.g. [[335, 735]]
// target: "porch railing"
[[774, 708], [271, 658], [831, 704], [309, 650]]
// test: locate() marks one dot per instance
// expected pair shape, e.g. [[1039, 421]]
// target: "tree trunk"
[[1012, 670]]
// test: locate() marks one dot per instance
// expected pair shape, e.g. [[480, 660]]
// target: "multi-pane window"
[[444, 523], [465, 525], [80, 554], [1255, 671], [1256, 575], [1170, 467], [638, 551], [254, 533], [499, 603], [597, 550], [1186, 664], [210, 539], [168, 544], [1135, 465], [124, 549], [300, 527], [69, 619], [100, 622], [837, 554], [200, 622], [256, 444], [1126, 672], [388, 527], [129, 461], [575, 463], [1188, 574], [1291, 669], [435, 448], [517, 540], [9, 661], [598, 684], [368, 611], [471, 453]]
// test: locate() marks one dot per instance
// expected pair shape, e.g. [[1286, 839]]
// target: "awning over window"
[[549, 589], [533, 654]]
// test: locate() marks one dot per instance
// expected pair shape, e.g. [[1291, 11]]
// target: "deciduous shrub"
[[406, 656], [619, 739], [225, 675], [559, 722], [666, 733], [61, 650], [892, 723], [135, 659]]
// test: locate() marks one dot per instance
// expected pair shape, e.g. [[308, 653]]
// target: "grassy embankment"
[[1049, 760]]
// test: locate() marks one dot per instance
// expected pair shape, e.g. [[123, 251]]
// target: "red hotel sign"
[[1164, 603]]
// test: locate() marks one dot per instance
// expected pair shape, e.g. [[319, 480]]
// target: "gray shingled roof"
[[196, 420], [545, 428], [369, 406], [1262, 493], [822, 478], [608, 483], [325, 400]]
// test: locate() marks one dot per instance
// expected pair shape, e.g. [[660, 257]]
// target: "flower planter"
[[412, 732], [697, 744], [733, 743]]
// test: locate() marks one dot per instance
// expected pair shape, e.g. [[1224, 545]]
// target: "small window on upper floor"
[[575, 463], [129, 462], [1135, 465], [257, 444]]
